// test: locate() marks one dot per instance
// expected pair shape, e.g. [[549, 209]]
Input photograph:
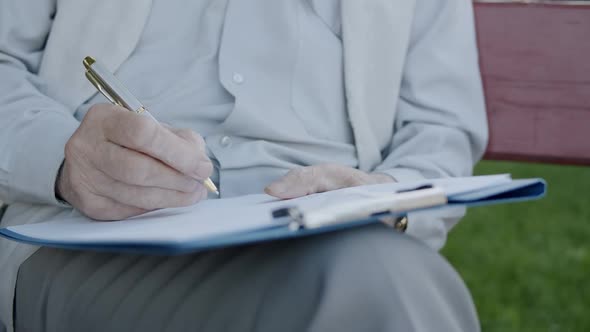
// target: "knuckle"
[[189, 135], [72, 145], [183, 132], [94, 112], [130, 130], [196, 141], [142, 133], [354, 178], [98, 112], [294, 172], [190, 164], [299, 174], [313, 171], [77, 142], [196, 138], [183, 165], [111, 163], [127, 169]]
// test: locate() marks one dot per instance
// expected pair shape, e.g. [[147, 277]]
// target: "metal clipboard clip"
[[389, 209]]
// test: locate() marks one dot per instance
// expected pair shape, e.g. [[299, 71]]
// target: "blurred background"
[[528, 264]]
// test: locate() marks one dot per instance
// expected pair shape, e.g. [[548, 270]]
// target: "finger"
[[134, 168], [106, 209], [191, 137], [148, 198], [147, 136], [297, 183], [316, 179]]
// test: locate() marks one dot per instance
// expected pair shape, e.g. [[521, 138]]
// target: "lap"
[[356, 279]]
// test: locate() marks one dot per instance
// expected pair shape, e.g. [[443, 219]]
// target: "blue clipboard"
[[515, 191]]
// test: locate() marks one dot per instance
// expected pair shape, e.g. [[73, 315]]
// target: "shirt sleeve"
[[33, 127], [441, 126]]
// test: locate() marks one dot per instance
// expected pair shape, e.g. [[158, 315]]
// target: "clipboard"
[[285, 219]]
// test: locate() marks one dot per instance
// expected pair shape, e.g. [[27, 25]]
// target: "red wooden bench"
[[535, 63]]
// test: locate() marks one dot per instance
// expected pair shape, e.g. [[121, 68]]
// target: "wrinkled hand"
[[315, 179], [118, 164]]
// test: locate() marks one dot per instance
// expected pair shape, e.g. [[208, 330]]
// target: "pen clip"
[[98, 85]]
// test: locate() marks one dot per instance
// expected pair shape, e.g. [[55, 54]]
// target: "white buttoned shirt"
[[262, 84], [412, 92]]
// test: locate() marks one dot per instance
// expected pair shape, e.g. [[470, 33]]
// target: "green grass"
[[528, 264]]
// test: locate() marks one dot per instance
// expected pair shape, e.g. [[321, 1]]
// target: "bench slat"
[[535, 63]]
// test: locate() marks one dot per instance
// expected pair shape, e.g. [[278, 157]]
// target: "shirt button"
[[225, 141], [238, 78]]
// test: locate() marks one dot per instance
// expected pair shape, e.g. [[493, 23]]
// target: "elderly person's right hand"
[[118, 164]]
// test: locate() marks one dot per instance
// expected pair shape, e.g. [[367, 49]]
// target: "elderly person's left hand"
[[320, 178]]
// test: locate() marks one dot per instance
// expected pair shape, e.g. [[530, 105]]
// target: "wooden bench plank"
[[535, 63]]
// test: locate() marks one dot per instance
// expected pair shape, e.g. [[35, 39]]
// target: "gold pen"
[[113, 90]]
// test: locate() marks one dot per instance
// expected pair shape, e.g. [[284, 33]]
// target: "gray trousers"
[[366, 279]]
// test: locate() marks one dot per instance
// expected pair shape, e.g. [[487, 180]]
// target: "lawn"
[[528, 264]]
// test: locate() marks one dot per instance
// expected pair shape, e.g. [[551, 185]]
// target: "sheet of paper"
[[216, 217]]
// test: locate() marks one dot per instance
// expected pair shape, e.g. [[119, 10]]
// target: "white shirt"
[[415, 102], [276, 103]]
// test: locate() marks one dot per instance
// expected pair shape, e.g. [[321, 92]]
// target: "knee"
[[367, 261], [373, 249], [394, 279]]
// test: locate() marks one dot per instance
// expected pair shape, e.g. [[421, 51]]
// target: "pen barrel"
[[115, 88]]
